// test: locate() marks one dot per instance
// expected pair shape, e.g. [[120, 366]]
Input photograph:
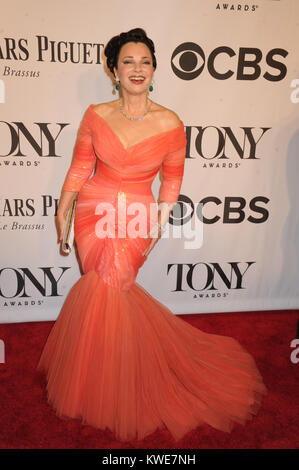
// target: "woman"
[[116, 357]]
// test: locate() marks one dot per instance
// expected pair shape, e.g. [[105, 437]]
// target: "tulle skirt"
[[121, 360]]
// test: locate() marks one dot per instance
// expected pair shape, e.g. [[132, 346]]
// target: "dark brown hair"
[[113, 47]]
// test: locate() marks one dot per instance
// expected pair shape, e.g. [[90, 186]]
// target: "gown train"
[[122, 360]]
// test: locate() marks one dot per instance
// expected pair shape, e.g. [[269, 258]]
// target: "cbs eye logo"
[[188, 61], [184, 210]]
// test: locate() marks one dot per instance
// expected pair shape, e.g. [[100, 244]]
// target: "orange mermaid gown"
[[116, 357]]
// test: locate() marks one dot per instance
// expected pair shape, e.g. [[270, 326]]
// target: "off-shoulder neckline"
[[126, 149]]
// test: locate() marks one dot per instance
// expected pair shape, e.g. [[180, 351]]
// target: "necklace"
[[130, 118]]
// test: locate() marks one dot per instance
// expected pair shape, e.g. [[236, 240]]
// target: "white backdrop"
[[230, 73]]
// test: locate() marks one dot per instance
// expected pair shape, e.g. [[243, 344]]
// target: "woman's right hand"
[[65, 201], [60, 222]]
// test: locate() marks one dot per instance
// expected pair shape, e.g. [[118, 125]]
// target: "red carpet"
[[28, 422]]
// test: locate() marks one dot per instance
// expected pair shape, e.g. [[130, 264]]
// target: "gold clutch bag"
[[68, 233]]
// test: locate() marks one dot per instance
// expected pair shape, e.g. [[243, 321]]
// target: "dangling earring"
[[117, 84], [151, 86]]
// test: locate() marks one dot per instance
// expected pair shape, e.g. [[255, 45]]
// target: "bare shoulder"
[[168, 118], [104, 109], [173, 119]]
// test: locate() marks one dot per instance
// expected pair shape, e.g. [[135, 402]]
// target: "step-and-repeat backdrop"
[[230, 71]]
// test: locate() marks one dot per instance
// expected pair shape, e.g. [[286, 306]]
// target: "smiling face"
[[135, 67]]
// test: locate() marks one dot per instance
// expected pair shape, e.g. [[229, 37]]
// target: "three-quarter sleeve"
[[173, 167], [84, 158]]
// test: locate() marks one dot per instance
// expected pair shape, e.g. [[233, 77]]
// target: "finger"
[[146, 252], [148, 249]]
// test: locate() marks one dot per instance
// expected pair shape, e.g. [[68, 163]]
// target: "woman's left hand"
[[154, 235]]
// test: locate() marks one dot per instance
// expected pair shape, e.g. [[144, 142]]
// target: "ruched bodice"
[[98, 144], [122, 178]]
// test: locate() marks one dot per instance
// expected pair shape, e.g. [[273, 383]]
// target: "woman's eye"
[[130, 62]]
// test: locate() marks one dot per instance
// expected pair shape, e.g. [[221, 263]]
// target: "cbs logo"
[[189, 60]]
